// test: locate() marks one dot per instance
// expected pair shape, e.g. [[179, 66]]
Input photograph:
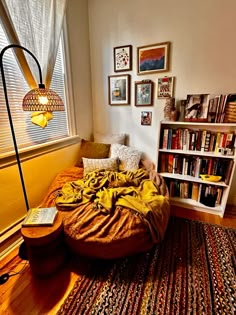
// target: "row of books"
[[220, 108], [195, 165], [198, 140], [209, 195]]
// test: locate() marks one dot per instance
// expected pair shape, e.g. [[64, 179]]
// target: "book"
[[165, 138], [40, 217], [195, 191]]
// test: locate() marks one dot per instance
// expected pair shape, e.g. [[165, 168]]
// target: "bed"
[[114, 204]]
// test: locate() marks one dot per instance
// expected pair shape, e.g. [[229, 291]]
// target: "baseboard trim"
[[7, 244]]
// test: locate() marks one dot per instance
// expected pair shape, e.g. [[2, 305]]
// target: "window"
[[28, 134]]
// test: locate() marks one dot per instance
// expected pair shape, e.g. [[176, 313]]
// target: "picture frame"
[[165, 87], [119, 89], [144, 93], [123, 58], [146, 118], [196, 107], [153, 58]]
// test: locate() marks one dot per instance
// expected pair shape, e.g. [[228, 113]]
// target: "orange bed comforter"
[[121, 231]]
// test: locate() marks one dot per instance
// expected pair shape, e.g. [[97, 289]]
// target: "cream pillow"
[[91, 165], [112, 138], [128, 157]]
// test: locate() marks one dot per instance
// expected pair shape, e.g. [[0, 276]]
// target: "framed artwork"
[[144, 93], [146, 118], [196, 107], [122, 58], [119, 89], [165, 87], [153, 58]]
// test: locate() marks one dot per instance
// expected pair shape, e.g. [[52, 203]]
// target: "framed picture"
[[153, 58], [146, 118], [119, 89], [144, 93], [123, 58], [165, 87], [196, 107]]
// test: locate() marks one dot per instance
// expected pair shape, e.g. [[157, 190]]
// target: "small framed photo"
[[144, 93], [196, 108], [146, 118], [165, 87], [119, 89], [123, 58], [153, 58]]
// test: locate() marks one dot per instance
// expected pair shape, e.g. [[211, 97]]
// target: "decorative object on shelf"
[[144, 93], [165, 87], [39, 99], [170, 112], [210, 178], [119, 89], [122, 58], [196, 109], [146, 118], [153, 58]]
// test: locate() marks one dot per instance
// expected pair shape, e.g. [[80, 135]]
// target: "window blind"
[[28, 134]]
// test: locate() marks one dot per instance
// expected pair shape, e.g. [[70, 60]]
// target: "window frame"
[[8, 158]]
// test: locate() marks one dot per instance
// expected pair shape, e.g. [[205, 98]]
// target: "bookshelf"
[[187, 150]]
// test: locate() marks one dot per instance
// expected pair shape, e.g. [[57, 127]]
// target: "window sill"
[[34, 151]]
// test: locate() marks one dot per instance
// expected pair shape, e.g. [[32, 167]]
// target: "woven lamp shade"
[[42, 99]]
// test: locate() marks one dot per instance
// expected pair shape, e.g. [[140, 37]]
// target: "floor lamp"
[[38, 99]]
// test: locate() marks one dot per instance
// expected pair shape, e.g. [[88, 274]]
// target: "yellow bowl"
[[210, 178]]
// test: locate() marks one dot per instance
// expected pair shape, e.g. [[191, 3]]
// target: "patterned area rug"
[[191, 272]]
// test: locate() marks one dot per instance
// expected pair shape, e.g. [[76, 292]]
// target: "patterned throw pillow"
[[128, 157], [112, 138], [109, 164], [92, 150]]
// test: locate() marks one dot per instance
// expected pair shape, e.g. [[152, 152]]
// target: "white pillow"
[[109, 139], [91, 165], [128, 157]]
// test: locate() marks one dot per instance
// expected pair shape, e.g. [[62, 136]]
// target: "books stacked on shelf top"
[[222, 109], [40, 217]]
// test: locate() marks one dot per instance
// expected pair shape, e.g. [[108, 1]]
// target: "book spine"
[[195, 191], [165, 139], [203, 139], [207, 141], [217, 143]]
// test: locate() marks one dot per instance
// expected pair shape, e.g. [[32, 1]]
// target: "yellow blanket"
[[109, 189]]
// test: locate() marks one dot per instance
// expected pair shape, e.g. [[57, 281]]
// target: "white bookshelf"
[[218, 209]]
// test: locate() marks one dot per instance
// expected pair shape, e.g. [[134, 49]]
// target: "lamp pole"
[[41, 85]]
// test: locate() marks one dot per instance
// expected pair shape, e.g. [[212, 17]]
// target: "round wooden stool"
[[45, 246]]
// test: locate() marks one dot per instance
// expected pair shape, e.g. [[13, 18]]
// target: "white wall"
[[203, 60]]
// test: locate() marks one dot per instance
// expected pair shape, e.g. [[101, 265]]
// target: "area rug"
[[191, 272]]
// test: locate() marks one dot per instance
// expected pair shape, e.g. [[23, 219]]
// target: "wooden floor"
[[25, 294]]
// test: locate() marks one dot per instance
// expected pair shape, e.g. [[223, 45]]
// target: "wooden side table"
[[45, 246]]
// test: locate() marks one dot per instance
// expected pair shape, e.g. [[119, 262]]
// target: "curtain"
[[44, 20]]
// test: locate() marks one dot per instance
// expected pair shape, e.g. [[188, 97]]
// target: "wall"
[[202, 57], [38, 174]]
